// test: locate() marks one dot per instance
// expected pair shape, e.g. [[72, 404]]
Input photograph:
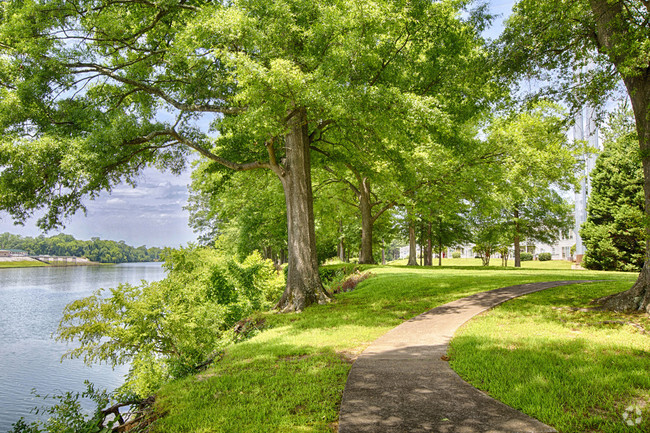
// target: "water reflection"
[[31, 303]]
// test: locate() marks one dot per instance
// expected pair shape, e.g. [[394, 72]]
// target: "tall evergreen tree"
[[613, 234]]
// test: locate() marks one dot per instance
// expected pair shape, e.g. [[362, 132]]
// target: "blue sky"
[[152, 214]]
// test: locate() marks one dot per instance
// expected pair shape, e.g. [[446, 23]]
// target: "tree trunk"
[[428, 251], [365, 255], [413, 259], [341, 245], [304, 286], [440, 255], [609, 27], [517, 248]]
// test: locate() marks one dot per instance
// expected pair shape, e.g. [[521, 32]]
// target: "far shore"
[[28, 262]]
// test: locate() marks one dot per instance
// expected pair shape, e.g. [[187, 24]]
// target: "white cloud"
[[151, 214]]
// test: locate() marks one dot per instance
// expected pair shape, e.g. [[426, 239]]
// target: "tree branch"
[[273, 161], [387, 62], [226, 163], [206, 108], [384, 209], [340, 179]]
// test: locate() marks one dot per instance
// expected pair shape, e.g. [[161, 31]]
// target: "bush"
[[544, 257], [67, 415], [350, 282], [525, 257], [336, 273], [455, 255], [165, 329]]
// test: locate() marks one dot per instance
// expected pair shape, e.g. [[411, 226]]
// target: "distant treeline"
[[96, 250]]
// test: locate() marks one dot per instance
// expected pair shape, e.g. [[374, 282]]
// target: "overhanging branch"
[[204, 108], [226, 163]]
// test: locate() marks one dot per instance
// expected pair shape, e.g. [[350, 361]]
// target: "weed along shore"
[[290, 374]]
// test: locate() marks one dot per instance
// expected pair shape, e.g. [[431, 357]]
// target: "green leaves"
[[614, 233], [166, 329]]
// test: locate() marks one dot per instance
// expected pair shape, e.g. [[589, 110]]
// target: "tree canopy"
[[92, 92], [95, 249], [537, 161]]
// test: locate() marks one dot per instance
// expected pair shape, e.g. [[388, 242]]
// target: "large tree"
[[584, 49], [245, 209], [94, 91]]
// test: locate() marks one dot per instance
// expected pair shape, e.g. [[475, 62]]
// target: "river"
[[31, 305]]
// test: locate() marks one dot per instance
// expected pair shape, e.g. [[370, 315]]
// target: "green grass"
[[21, 264], [496, 262], [290, 377], [546, 356]]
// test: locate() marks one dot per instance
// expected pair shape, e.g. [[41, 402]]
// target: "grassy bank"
[[21, 264], [290, 376]]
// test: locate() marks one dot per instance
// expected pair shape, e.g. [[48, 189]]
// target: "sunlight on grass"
[[22, 264], [495, 262], [573, 369], [290, 377]]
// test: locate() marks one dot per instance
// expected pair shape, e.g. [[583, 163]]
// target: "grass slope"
[[291, 375], [21, 264]]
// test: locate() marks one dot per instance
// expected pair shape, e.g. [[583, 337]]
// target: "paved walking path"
[[401, 384]]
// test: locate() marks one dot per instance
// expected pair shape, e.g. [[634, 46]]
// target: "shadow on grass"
[[263, 387], [387, 299], [573, 386], [575, 369]]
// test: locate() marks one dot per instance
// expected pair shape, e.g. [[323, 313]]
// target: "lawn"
[[290, 376], [21, 264], [495, 262], [550, 357]]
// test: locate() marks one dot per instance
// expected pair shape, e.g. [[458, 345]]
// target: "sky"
[[153, 213]]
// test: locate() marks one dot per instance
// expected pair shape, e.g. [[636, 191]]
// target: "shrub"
[[544, 257], [331, 273], [67, 415], [351, 282], [525, 257], [165, 329], [455, 255]]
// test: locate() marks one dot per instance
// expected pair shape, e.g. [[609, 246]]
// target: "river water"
[[31, 305]]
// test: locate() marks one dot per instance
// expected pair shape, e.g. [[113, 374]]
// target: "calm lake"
[[31, 305]]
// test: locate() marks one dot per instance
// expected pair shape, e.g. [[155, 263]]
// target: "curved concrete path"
[[401, 384]]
